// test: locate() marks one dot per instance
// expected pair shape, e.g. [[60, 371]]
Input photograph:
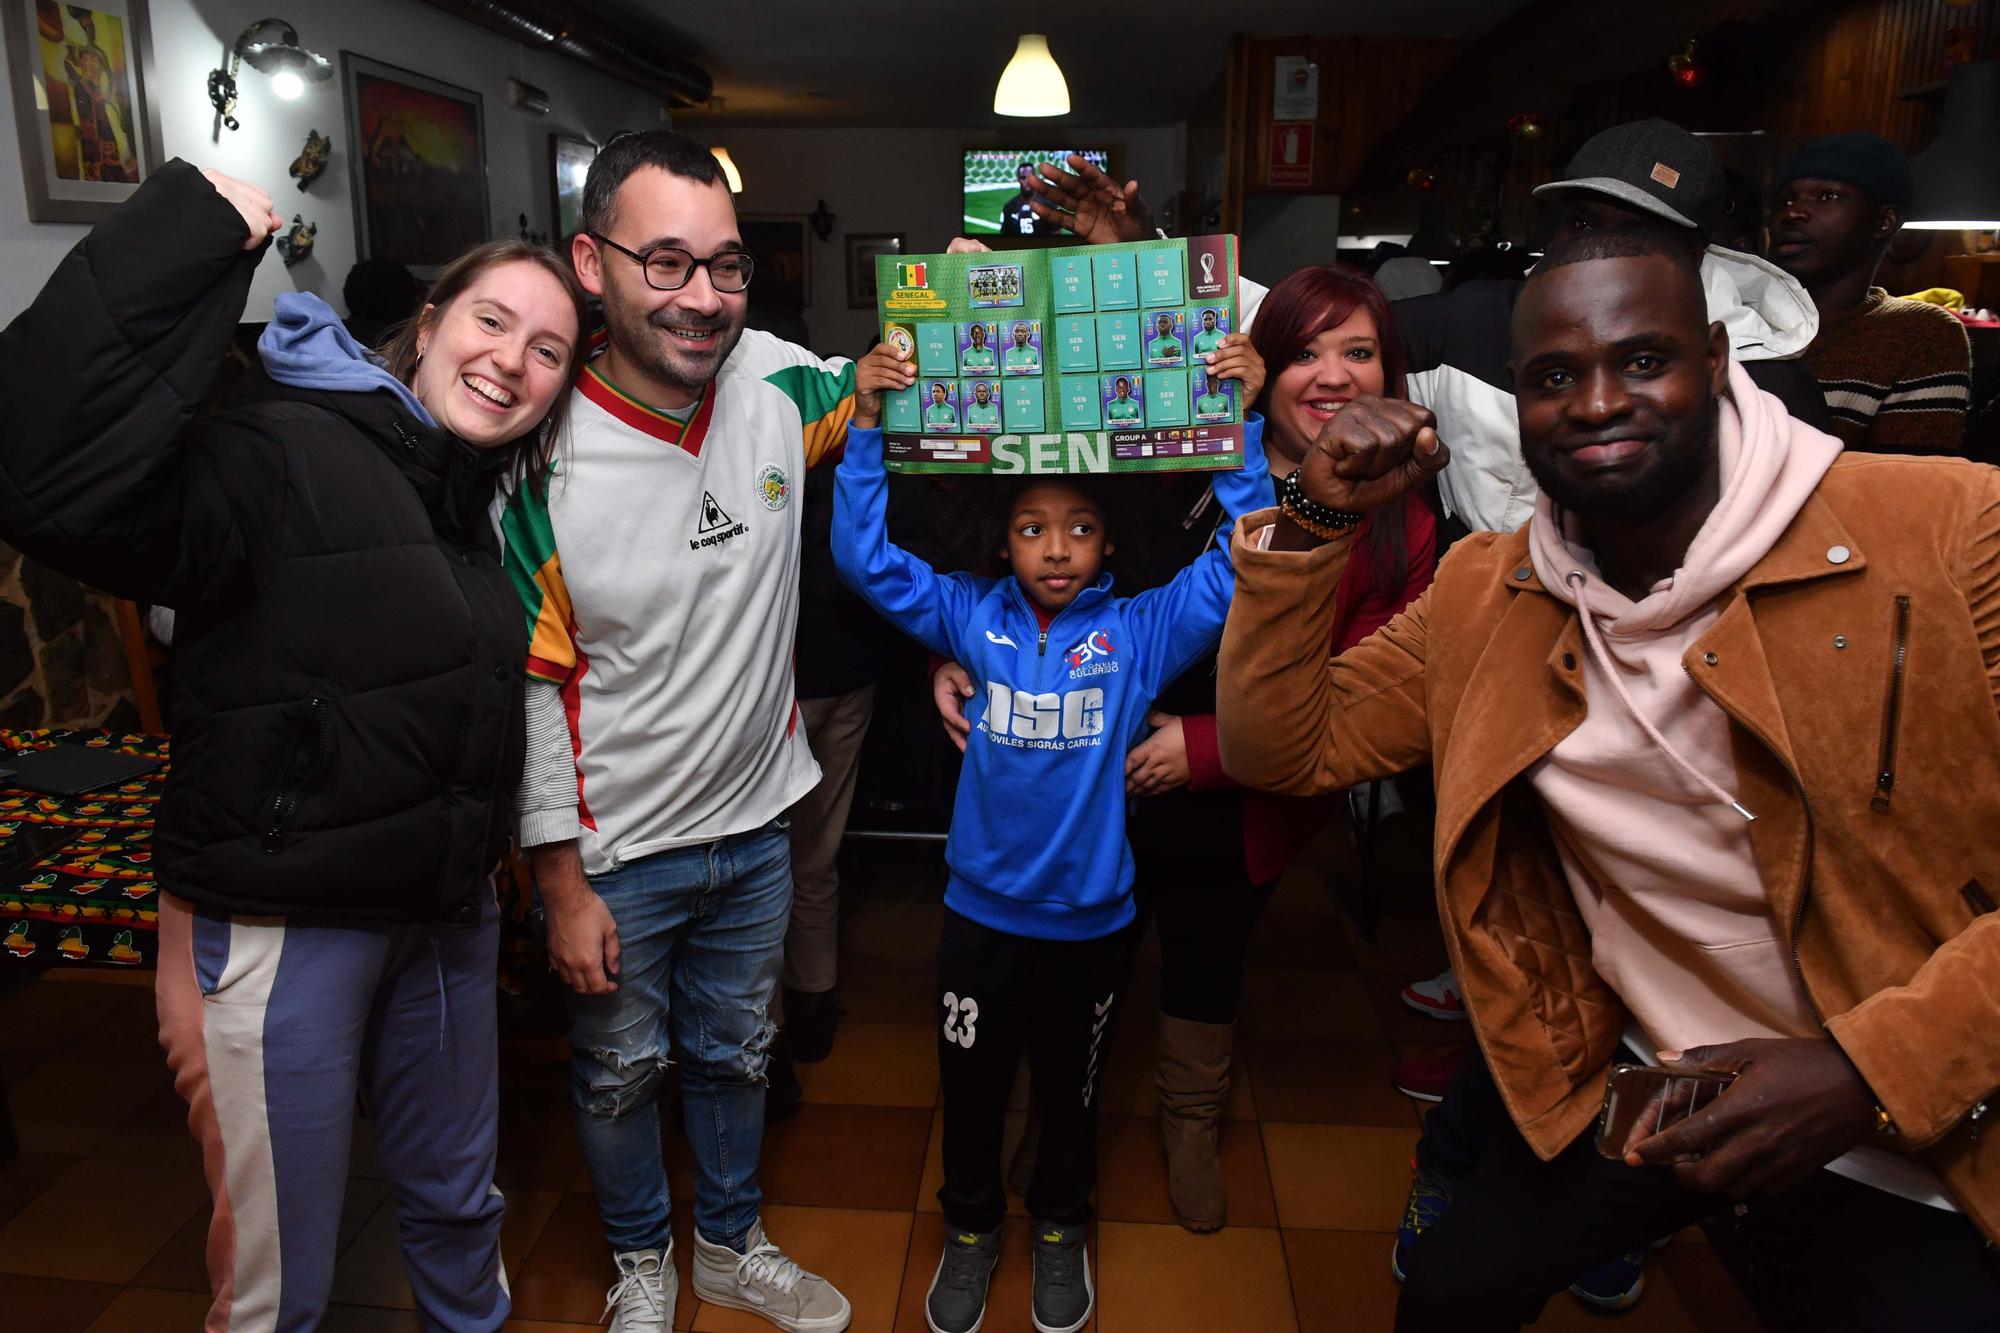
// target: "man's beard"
[[643, 337], [1680, 456]]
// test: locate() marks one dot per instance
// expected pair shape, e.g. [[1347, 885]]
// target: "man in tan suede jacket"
[[1718, 775]]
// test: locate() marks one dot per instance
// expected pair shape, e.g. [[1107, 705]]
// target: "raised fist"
[[1371, 452]]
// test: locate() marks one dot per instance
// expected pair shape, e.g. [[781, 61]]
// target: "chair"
[[143, 657]]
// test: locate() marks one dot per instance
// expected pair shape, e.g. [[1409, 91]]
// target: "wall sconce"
[[272, 47], [822, 220]]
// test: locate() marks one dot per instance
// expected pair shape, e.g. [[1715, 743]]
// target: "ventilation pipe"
[[568, 28]]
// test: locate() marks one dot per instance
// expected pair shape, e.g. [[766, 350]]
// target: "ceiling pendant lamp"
[[1032, 84], [1957, 186]]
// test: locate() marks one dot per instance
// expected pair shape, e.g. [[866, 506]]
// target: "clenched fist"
[[1373, 451], [251, 202]]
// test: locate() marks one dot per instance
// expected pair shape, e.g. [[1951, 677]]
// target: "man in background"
[[1897, 374], [380, 294]]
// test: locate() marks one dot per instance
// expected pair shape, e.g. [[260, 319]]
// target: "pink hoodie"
[[1641, 795]]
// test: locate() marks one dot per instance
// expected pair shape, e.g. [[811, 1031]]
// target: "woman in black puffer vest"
[[348, 706]]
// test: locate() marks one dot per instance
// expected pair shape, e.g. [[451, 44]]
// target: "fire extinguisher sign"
[[1291, 161]]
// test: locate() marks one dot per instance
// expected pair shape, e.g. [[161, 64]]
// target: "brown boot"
[[1193, 1079]]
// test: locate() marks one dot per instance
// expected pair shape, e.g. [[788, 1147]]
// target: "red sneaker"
[[1426, 1076], [1437, 996]]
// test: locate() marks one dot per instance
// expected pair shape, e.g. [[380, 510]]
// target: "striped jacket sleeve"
[[823, 391]]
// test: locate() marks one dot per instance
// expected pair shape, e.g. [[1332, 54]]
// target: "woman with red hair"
[[1212, 853]]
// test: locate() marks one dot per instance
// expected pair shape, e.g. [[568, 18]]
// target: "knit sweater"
[[1897, 375]]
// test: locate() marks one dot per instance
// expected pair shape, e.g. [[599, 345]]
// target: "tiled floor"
[[102, 1215]]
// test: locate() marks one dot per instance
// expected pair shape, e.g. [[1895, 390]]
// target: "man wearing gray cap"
[[1643, 174], [1897, 373]]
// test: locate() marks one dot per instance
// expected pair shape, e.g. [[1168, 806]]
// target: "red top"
[[1277, 828]]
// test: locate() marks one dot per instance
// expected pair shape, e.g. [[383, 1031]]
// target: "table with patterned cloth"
[[92, 900]]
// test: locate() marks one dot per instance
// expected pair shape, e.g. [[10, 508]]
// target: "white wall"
[[189, 37], [910, 181]]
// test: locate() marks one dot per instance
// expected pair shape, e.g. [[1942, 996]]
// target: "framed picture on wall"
[[419, 165], [861, 252], [82, 77], [781, 246], [569, 166]]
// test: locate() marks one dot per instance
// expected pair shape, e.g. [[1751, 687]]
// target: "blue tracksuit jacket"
[[1037, 843]]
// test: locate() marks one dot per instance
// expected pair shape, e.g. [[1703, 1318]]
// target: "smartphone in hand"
[[1642, 1100]]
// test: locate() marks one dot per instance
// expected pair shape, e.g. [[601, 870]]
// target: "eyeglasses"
[[668, 267]]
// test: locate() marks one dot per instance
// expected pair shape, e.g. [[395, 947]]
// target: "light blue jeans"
[[701, 936]]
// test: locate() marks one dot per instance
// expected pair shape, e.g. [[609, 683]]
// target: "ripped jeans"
[[701, 936]]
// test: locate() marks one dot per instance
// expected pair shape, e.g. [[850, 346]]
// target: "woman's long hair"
[[1304, 305], [534, 457]]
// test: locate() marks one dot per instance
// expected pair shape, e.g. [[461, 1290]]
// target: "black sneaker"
[[811, 1018], [1063, 1294], [1430, 1195], [957, 1299]]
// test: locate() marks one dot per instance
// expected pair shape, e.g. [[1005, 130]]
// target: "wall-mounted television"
[[996, 201]]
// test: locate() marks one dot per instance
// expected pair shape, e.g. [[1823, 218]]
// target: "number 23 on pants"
[[960, 1016]]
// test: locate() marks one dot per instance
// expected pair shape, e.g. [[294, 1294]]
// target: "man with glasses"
[[660, 569]]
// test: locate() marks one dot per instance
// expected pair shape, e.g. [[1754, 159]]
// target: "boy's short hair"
[[979, 510]]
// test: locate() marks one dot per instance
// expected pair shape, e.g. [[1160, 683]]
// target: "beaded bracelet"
[[1325, 534], [1310, 514]]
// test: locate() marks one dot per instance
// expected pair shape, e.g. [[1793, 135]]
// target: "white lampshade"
[[1032, 84], [729, 171]]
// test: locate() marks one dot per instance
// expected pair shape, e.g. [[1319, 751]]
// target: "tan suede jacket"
[[1859, 662]]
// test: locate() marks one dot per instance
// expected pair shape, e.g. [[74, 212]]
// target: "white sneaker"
[[647, 1287], [767, 1284]]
